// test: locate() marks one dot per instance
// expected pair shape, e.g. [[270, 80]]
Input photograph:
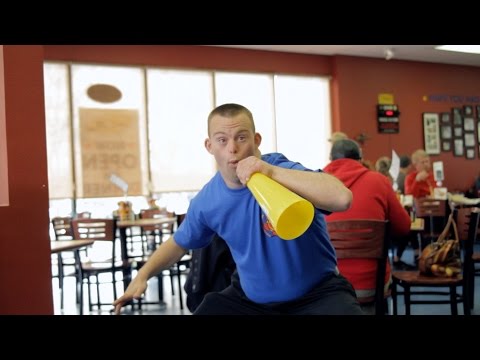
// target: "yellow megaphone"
[[289, 213]]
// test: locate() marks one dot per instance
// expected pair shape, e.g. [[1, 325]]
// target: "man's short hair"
[[337, 135], [404, 161], [418, 155], [229, 111], [345, 149]]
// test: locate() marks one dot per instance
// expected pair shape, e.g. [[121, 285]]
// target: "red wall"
[[360, 80], [198, 57], [25, 273], [356, 83], [24, 242]]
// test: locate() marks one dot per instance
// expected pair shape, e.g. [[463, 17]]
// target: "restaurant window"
[[109, 123], [169, 108], [303, 119], [178, 105]]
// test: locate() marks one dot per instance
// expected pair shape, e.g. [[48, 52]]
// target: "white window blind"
[[292, 113], [178, 107]]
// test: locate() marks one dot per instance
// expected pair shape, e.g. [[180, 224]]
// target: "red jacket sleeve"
[[397, 215], [419, 188]]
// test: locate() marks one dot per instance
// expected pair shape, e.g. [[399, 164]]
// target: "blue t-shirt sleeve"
[[193, 233]]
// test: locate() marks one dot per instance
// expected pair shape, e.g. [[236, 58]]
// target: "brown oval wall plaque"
[[104, 93]]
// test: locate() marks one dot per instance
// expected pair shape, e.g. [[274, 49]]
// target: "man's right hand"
[[134, 291], [422, 175]]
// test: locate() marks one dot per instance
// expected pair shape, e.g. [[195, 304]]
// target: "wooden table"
[[68, 245], [417, 225], [146, 222]]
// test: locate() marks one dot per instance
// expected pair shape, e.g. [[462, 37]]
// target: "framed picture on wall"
[[469, 139], [446, 145], [431, 133], [467, 110], [457, 116], [457, 132], [445, 118], [470, 153], [458, 147], [478, 131], [468, 124], [477, 108], [446, 132]]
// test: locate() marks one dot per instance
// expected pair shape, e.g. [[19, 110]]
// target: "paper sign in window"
[[110, 145]]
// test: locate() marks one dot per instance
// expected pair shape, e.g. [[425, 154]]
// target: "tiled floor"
[[173, 306], [172, 301]]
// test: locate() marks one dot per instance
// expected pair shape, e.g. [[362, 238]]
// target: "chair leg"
[[114, 283], [60, 278], [453, 300], [406, 296], [81, 296], [98, 291], [466, 296], [90, 308], [471, 287], [179, 287], [394, 298], [160, 287], [172, 274]]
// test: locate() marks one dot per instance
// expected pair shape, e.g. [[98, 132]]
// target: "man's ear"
[[208, 145], [258, 139]]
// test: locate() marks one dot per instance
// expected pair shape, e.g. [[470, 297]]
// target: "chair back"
[[462, 219], [473, 218], [84, 215], [467, 220], [427, 207], [95, 229], [431, 209], [62, 228], [157, 213], [367, 239]]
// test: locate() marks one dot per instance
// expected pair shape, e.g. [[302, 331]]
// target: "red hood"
[[346, 170]]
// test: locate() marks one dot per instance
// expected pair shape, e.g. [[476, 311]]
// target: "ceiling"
[[426, 53]]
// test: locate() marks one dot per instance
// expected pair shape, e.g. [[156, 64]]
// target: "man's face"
[[423, 163], [231, 139]]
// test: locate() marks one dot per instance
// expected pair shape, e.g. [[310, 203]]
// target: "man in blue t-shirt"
[[274, 276]]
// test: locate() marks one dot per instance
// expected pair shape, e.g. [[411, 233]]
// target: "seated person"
[[383, 166], [373, 198], [420, 182], [405, 168], [474, 191]]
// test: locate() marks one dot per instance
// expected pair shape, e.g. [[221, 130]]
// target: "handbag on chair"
[[442, 257]]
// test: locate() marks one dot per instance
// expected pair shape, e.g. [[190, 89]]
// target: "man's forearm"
[[323, 190], [163, 258]]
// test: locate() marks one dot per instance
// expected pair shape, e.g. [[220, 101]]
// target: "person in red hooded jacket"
[[373, 199]]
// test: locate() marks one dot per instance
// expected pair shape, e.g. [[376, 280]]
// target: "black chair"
[[65, 261], [365, 239], [103, 230], [434, 212], [409, 280], [152, 236], [462, 218]]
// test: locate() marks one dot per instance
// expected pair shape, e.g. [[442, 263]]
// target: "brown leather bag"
[[442, 257]]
